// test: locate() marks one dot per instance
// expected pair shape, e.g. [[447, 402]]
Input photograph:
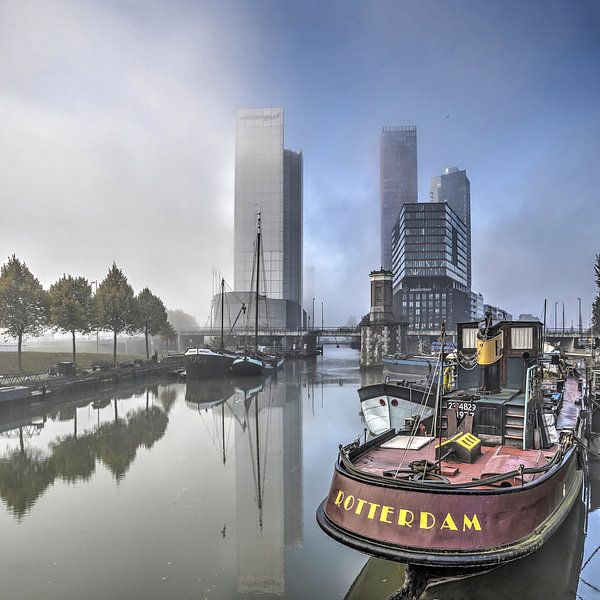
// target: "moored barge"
[[489, 481]]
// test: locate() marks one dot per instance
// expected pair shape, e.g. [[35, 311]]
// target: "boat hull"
[[247, 366], [449, 528], [389, 405], [207, 366]]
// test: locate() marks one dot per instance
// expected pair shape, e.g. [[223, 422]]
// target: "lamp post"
[[555, 325], [322, 326], [313, 314], [580, 327], [563, 327]]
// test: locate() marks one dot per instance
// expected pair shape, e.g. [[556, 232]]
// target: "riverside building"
[[268, 179], [398, 163], [430, 268]]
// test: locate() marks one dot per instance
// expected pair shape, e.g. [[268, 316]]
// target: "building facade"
[[477, 306], [498, 314], [429, 265], [398, 180], [268, 180], [454, 188]]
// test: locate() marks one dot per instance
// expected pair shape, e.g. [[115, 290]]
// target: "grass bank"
[[39, 362]]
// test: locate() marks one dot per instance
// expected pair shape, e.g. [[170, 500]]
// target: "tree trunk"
[[73, 334], [114, 347], [20, 338], [147, 352]]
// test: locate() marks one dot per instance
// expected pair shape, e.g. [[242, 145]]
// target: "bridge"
[[275, 332]]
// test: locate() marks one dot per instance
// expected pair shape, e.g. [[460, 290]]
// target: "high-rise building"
[[429, 263], [268, 180], [454, 188], [477, 306], [398, 162]]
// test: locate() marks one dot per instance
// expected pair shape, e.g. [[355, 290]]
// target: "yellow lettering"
[[349, 502], [449, 523], [372, 510], [403, 517], [471, 523], [385, 512], [425, 522], [359, 506], [340, 497]]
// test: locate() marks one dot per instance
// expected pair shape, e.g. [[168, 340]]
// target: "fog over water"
[[117, 136]]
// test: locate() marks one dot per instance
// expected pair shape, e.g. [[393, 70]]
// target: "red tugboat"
[[491, 478]]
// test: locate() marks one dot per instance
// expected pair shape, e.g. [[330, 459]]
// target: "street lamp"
[[322, 327], [555, 325], [563, 328], [580, 327], [313, 314]]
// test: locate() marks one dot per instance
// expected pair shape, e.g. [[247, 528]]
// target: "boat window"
[[521, 338], [469, 337]]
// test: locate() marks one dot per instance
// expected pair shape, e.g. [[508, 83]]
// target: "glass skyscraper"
[[268, 179], [398, 162], [454, 188]]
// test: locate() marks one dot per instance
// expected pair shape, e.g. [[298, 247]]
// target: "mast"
[[222, 311], [440, 396], [257, 283]]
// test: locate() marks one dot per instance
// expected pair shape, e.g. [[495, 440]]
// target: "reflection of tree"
[[25, 473], [74, 458], [116, 443], [167, 397], [24, 477]]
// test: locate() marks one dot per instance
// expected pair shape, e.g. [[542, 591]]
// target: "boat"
[[204, 363], [207, 363], [395, 404], [253, 362], [490, 479]]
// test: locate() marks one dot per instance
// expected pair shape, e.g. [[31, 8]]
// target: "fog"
[[117, 129]]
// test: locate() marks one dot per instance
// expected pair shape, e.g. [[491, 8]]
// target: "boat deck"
[[394, 456]]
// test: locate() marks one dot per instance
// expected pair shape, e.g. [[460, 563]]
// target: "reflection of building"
[[429, 263], [398, 162], [268, 179], [268, 481]]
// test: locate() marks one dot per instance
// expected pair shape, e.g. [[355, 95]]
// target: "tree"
[[168, 333], [152, 314], [115, 305], [71, 306], [596, 304], [23, 302], [182, 320]]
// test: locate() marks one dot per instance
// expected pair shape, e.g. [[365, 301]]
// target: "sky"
[[117, 130]]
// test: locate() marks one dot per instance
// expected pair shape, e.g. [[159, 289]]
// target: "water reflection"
[[258, 425], [209, 491], [27, 471]]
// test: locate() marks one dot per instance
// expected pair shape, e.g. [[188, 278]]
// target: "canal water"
[[209, 491]]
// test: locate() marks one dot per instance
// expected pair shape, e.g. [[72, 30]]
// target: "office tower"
[[454, 188], [429, 249], [398, 163], [268, 179]]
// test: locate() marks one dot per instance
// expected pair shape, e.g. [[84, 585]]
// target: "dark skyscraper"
[[398, 180], [430, 267], [454, 188]]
